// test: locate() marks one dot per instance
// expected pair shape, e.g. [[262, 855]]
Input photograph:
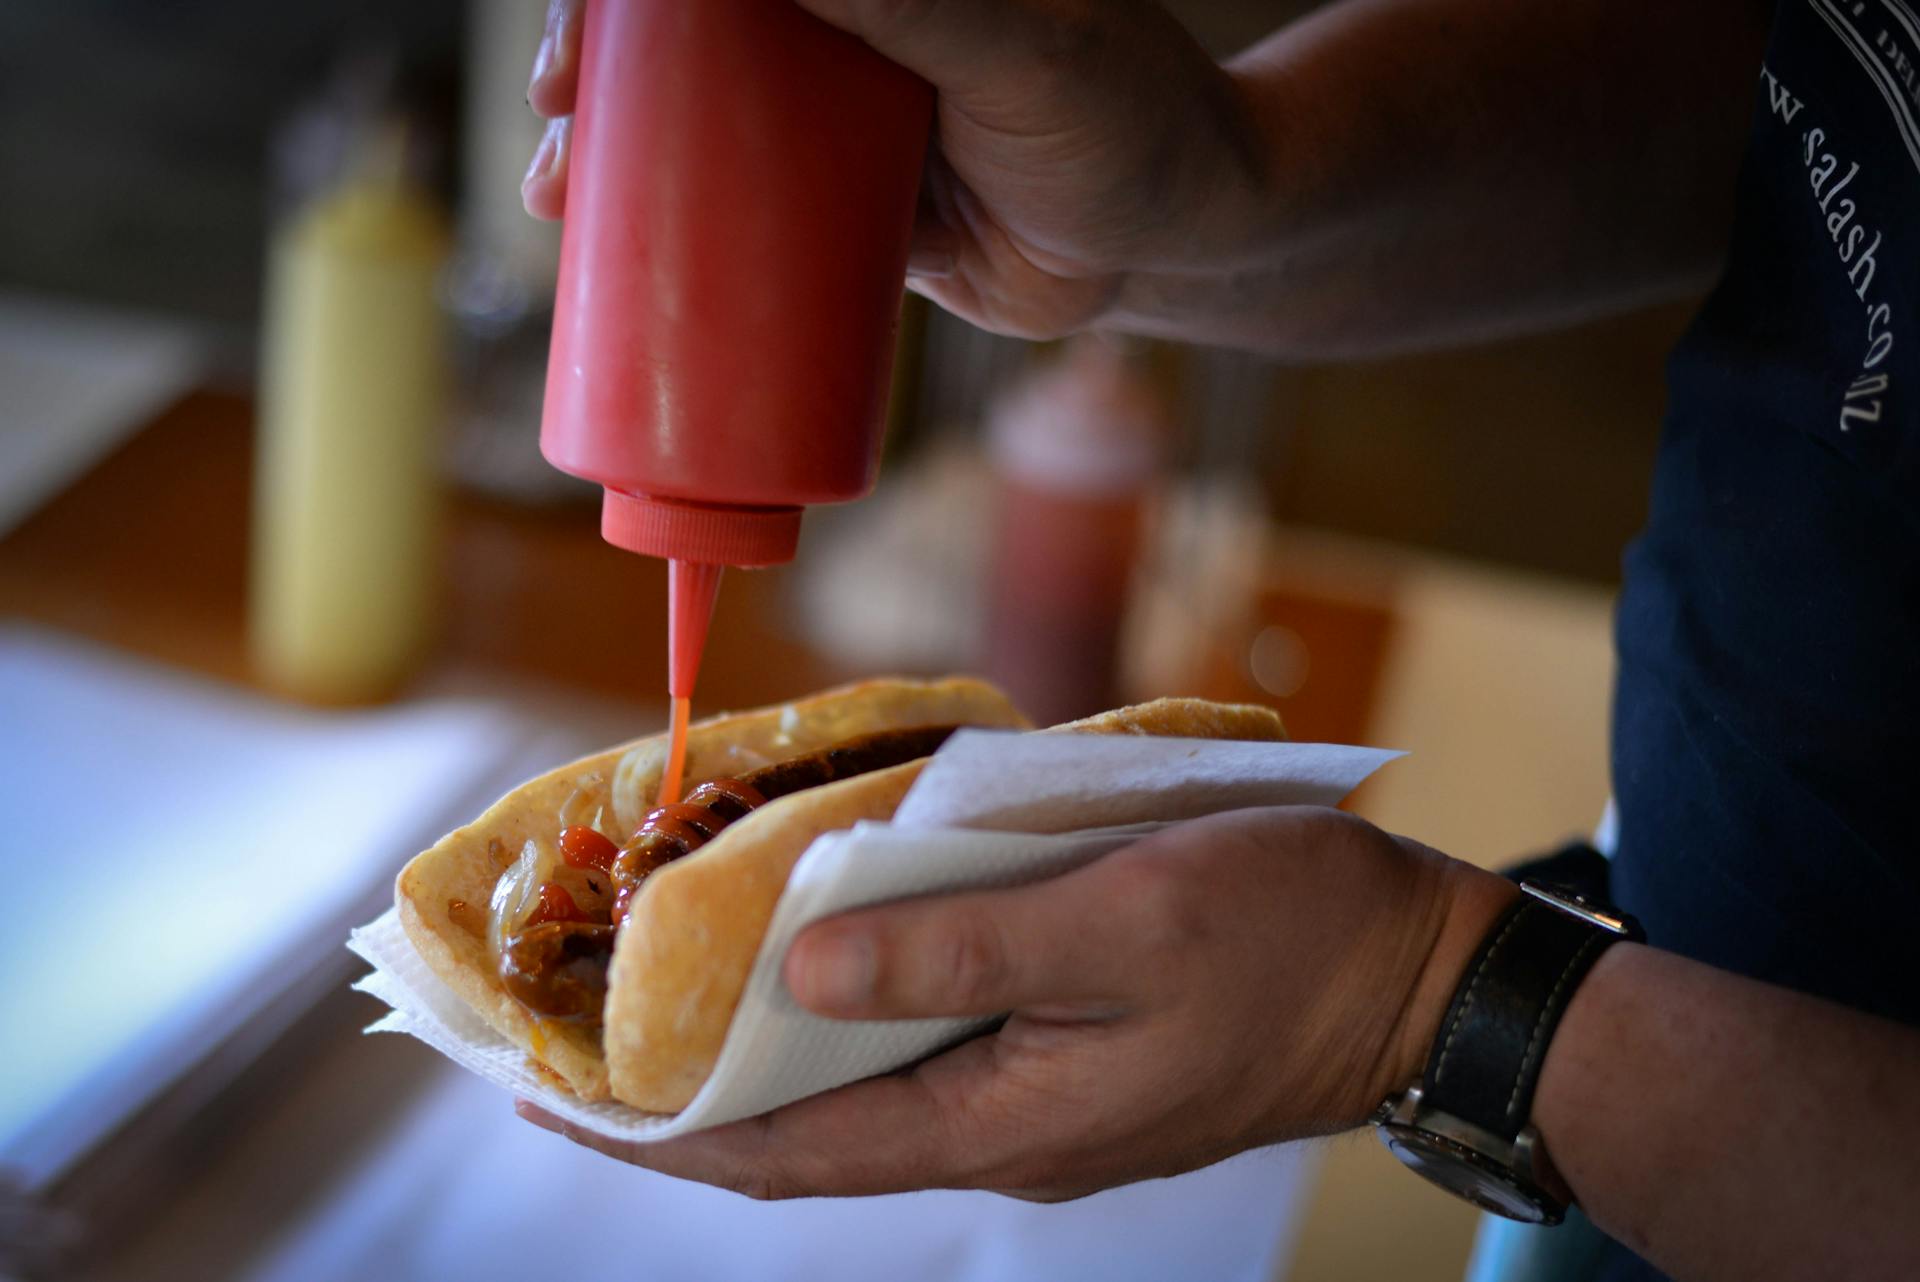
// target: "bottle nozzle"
[[692, 587]]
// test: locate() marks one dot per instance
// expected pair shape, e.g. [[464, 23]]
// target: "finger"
[[930, 262], [621, 1150], [544, 190], [556, 66], [1067, 944], [994, 283], [935, 247], [919, 1130], [956, 46]]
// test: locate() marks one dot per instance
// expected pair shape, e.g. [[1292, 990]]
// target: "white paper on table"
[[191, 805], [992, 809]]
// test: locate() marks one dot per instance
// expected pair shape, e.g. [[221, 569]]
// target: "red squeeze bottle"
[[739, 204]]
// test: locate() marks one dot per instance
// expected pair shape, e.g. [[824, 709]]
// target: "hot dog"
[[617, 938]]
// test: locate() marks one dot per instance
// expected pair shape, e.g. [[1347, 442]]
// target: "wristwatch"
[[1466, 1124]]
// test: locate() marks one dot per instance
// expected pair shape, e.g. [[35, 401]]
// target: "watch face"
[[1467, 1174]]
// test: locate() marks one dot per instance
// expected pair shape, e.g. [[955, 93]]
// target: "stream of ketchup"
[[675, 774]]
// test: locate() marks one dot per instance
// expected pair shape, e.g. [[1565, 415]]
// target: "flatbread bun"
[[682, 959]]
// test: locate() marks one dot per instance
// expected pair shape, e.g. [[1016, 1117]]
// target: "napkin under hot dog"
[[992, 809]]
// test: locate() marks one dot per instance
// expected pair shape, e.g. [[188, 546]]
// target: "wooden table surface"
[[148, 553]]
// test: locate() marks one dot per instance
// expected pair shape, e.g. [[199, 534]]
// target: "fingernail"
[[837, 973], [542, 62], [930, 262], [544, 154]]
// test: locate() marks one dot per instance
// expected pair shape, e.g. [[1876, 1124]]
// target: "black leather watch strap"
[[1486, 1060]]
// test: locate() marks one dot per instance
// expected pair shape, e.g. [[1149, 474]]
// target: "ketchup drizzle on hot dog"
[[584, 847], [731, 799], [676, 830], [556, 904]]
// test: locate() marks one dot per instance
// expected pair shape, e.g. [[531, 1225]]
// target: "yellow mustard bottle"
[[352, 403]]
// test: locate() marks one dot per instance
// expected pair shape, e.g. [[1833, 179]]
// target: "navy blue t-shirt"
[[1766, 750]]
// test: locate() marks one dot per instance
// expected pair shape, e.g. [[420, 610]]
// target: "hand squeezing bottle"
[[740, 199]]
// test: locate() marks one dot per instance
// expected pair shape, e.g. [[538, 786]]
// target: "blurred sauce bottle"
[[1077, 448], [352, 402]]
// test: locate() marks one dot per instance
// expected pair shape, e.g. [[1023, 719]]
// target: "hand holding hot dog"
[[1235, 981]]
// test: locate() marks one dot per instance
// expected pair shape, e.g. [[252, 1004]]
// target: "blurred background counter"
[[1419, 553]]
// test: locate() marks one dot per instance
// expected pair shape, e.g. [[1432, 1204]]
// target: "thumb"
[[956, 46], [981, 953]]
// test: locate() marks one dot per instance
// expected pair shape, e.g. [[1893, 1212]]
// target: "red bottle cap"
[[705, 532]]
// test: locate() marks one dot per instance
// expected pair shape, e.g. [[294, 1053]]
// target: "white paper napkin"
[[992, 809]]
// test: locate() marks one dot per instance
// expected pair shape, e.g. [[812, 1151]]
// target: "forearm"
[[1724, 1128], [1436, 171]]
